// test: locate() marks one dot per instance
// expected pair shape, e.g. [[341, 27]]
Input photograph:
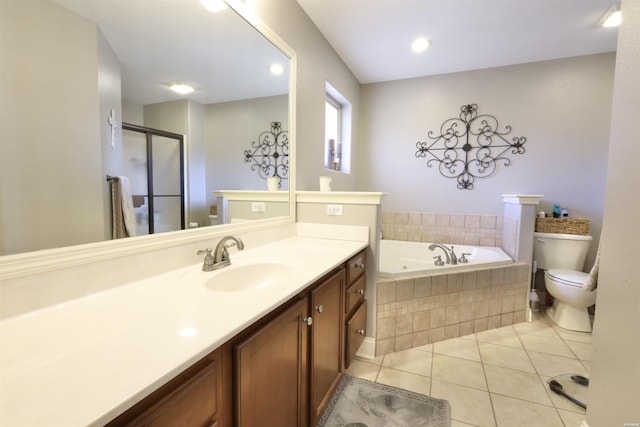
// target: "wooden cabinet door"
[[271, 372], [326, 341]]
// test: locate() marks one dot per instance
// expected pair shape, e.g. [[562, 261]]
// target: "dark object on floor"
[[363, 403], [556, 387], [580, 379]]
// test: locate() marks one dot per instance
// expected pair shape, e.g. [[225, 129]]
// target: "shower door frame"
[[149, 134]]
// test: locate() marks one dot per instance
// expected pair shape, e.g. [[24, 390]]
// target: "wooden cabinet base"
[[282, 371]]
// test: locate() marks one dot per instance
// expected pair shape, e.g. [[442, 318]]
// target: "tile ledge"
[[522, 199]]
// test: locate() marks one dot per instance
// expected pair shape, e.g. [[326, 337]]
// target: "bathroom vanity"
[[169, 350], [280, 371]]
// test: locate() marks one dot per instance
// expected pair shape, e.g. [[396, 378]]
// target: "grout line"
[[486, 380], [542, 320], [431, 371], [544, 385]]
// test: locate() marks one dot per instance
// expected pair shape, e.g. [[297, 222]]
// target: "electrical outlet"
[[334, 210], [257, 207]]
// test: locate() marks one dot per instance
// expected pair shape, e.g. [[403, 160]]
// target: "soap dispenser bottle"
[[556, 211]]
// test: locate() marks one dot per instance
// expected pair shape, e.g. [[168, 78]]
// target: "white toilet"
[[563, 257]]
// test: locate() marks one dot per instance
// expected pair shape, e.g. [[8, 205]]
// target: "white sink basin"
[[244, 276]]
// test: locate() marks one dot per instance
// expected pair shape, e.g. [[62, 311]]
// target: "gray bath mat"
[[362, 403]]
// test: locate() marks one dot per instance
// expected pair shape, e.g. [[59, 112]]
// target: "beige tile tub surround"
[[474, 230], [418, 311]]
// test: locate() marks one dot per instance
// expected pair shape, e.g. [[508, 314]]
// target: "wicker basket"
[[562, 225]]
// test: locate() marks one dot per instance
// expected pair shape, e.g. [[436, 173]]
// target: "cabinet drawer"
[[192, 398], [355, 295], [356, 266], [355, 332]]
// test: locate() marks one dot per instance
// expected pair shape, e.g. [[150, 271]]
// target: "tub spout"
[[433, 247], [454, 257]]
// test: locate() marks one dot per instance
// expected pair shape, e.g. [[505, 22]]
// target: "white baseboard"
[[368, 349]]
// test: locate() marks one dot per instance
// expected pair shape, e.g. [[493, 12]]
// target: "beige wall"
[[241, 210], [110, 88], [614, 396], [37, 141], [317, 64], [231, 127], [352, 214], [562, 107]]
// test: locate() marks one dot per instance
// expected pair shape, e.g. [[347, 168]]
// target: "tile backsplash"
[[474, 230]]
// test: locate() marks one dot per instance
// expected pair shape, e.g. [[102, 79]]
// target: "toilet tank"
[[560, 251]]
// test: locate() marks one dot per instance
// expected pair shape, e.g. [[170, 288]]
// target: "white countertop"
[[88, 360]]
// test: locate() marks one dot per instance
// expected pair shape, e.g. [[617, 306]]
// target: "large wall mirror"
[[74, 71]]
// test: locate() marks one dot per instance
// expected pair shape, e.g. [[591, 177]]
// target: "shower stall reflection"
[[154, 164]]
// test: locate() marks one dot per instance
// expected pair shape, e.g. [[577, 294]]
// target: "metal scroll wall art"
[[270, 153], [469, 147]]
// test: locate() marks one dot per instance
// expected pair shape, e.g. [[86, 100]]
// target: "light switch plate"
[[257, 207], [334, 210]]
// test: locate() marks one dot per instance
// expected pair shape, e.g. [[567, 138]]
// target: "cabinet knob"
[[358, 266], [360, 291], [361, 332], [308, 320], [320, 308]]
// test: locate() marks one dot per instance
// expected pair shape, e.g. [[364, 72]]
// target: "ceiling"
[[161, 41], [373, 37], [158, 42]]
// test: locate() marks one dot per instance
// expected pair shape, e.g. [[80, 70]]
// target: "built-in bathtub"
[[420, 303], [400, 259]]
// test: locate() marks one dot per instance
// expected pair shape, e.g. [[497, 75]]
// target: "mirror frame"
[[30, 263]]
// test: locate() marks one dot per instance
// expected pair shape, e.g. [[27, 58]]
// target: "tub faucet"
[[221, 255], [450, 256]]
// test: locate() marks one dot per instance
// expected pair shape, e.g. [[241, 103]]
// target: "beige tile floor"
[[493, 378]]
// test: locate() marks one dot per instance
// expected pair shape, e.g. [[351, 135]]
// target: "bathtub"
[[401, 259]]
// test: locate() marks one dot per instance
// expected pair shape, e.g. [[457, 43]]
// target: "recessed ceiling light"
[[180, 88], [214, 5], [613, 18], [420, 45], [276, 69]]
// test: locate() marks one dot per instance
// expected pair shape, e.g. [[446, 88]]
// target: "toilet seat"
[[568, 277]]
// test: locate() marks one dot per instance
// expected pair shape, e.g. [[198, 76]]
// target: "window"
[[337, 131]]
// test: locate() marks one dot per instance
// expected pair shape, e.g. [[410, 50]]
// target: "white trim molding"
[[345, 197], [253, 195], [368, 349]]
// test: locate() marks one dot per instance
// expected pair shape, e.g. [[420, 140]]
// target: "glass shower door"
[[154, 164], [167, 183]]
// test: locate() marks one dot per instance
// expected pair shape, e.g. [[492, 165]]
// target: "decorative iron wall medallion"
[[469, 147], [270, 154]]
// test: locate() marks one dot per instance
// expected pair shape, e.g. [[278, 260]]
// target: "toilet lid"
[[568, 277]]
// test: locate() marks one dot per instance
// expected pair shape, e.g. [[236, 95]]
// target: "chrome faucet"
[[221, 255], [449, 254]]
